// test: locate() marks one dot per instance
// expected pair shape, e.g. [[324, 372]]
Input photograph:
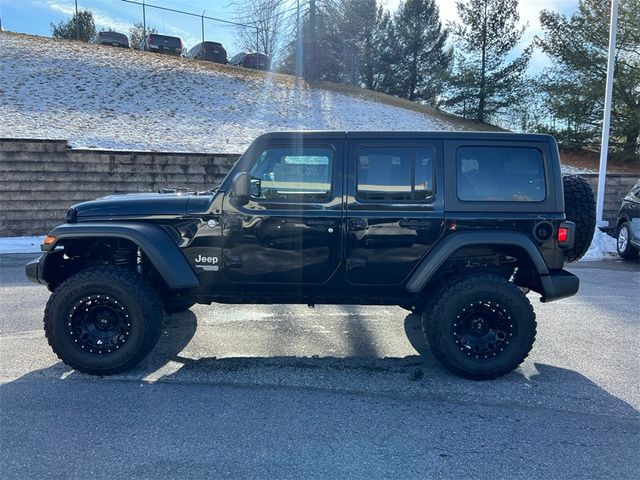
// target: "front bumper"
[[34, 270], [559, 284]]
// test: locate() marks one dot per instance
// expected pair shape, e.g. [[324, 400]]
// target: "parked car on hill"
[[628, 224], [209, 51], [114, 39], [257, 61], [162, 44]]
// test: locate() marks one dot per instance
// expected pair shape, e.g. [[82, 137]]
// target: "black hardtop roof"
[[439, 135]]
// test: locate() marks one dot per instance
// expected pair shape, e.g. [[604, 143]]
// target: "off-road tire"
[[120, 289], [580, 208], [623, 243], [494, 300]]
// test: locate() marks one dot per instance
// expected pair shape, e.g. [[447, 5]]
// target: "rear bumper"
[[559, 284]]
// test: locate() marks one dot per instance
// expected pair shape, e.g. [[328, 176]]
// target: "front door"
[[395, 211], [290, 231]]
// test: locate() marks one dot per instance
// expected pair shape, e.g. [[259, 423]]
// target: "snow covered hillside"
[[105, 97]]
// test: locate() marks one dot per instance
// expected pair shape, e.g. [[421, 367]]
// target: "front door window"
[[292, 174]]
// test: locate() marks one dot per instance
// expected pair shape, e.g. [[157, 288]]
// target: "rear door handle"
[[413, 223]]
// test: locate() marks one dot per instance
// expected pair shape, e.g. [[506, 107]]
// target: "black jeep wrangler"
[[456, 227]]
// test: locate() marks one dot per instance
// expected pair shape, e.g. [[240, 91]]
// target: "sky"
[[35, 17]]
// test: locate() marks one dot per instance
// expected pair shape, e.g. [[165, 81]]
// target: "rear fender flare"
[[455, 241], [157, 245]]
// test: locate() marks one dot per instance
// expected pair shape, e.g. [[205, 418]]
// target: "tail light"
[[563, 234], [150, 40], [566, 234]]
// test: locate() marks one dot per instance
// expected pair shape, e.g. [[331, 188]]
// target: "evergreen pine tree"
[[485, 82], [575, 85], [423, 61], [80, 25]]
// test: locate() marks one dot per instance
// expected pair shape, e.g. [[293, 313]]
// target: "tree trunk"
[[312, 55], [483, 69], [413, 76]]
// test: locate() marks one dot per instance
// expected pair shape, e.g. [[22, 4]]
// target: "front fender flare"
[[155, 242], [454, 241]]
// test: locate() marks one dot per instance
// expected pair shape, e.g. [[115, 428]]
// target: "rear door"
[[394, 207]]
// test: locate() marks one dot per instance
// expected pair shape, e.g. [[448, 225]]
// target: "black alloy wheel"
[[99, 324], [483, 329]]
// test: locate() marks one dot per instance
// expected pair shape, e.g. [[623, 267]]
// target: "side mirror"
[[241, 187]]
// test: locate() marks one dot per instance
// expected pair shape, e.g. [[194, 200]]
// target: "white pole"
[[604, 145]]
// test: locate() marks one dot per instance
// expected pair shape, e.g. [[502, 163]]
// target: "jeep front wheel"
[[103, 320], [481, 326]]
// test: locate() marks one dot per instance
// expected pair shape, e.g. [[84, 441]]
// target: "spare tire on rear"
[[580, 208]]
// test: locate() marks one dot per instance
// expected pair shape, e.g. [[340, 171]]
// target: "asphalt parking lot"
[[333, 392]]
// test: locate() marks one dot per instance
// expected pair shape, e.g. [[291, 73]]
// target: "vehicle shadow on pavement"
[[413, 376]]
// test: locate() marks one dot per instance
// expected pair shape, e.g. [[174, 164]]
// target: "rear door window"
[[500, 174], [394, 174]]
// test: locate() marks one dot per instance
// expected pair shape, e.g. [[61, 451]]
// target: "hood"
[[142, 205]]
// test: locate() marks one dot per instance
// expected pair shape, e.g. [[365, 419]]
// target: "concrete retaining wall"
[[616, 187], [41, 179]]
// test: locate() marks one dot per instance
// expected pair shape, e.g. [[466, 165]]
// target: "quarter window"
[[292, 173], [392, 173], [500, 174]]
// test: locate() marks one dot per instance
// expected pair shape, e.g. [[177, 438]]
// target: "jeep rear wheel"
[[481, 326], [580, 208], [104, 320]]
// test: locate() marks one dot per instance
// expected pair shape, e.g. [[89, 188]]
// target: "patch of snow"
[[20, 244], [571, 170], [602, 247], [104, 97]]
